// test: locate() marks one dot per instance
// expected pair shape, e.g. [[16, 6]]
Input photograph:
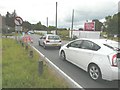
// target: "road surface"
[[77, 74]]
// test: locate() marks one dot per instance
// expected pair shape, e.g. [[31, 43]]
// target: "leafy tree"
[[98, 24], [111, 24], [10, 19], [62, 28], [27, 25], [52, 28]]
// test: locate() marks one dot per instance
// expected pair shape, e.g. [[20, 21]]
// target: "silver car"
[[50, 40]]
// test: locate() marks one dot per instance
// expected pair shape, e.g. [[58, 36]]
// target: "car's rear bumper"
[[113, 74], [53, 45]]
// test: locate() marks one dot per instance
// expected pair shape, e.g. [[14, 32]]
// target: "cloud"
[[37, 10], [90, 12]]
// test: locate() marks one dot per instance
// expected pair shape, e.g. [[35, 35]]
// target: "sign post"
[[18, 25]]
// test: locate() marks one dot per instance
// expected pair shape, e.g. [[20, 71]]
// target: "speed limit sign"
[[18, 21]]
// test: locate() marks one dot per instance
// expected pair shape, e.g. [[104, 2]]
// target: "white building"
[[84, 34]]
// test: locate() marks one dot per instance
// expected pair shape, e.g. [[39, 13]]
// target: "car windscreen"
[[53, 37]]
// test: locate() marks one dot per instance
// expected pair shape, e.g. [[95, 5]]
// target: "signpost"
[[18, 26], [18, 23]]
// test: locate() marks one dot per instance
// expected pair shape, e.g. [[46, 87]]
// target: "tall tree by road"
[[111, 23], [98, 24]]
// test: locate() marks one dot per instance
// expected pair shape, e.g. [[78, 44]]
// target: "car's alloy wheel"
[[94, 72], [62, 55]]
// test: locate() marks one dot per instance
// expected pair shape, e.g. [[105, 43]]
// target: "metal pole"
[[47, 21], [47, 24], [72, 23], [56, 18]]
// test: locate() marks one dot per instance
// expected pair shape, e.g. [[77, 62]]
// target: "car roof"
[[103, 41]]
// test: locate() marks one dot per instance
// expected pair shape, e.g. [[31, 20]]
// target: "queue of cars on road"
[[99, 57]]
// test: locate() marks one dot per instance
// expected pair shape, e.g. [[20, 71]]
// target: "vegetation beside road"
[[64, 34], [0, 63], [21, 71]]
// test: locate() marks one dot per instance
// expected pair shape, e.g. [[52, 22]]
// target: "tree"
[[98, 24], [52, 28], [27, 25], [10, 19], [111, 24]]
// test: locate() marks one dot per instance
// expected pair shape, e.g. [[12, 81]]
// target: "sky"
[[34, 11]]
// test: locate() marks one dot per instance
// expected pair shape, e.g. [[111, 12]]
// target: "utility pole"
[[72, 24], [47, 21], [56, 18], [47, 24]]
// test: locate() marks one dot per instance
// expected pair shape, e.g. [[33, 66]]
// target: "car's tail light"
[[114, 60]]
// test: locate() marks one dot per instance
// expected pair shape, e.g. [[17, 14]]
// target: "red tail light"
[[114, 60]]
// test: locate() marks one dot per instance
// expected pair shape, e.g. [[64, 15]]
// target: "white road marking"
[[75, 84]]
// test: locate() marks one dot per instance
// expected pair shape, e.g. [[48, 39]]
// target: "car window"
[[53, 37], [90, 45], [44, 37], [75, 44]]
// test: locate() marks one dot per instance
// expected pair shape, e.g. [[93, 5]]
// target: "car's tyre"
[[59, 47], [94, 72], [44, 46], [62, 55], [39, 43]]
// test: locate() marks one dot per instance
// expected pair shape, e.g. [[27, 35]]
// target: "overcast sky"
[[38, 10]]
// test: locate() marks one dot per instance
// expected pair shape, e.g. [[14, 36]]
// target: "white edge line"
[[75, 83]]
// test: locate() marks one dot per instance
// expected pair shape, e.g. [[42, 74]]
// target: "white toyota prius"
[[99, 57]]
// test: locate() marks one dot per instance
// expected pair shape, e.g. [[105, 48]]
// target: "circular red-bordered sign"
[[18, 21]]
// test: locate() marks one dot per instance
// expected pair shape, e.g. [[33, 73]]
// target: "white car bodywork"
[[102, 57], [50, 40]]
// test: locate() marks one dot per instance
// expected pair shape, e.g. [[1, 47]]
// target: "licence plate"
[[55, 44]]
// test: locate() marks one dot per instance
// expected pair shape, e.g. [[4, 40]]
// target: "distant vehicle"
[[50, 40], [99, 57], [31, 32]]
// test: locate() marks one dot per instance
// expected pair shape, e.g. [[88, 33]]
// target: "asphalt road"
[[77, 74]]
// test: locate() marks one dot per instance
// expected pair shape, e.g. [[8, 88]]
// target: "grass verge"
[[21, 71], [0, 63]]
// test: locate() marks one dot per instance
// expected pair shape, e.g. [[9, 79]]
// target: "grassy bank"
[[21, 71], [0, 63]]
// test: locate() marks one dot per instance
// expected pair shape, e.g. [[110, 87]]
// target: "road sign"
[[89, 26], [18, 28], [18, 21]]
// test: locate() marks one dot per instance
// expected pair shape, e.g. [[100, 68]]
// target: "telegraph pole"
[[47, 24], [56, 18], [47, 21], [72, 23]]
